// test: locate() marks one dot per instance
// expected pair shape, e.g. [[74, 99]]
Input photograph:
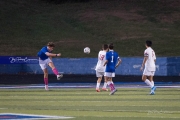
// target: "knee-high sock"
[[55, 71], [152, 82], [46, 81], [97, 86], [111, 85], [148, 83]]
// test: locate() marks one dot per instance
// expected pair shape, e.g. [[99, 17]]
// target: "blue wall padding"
[[173, 66], [165, 66]]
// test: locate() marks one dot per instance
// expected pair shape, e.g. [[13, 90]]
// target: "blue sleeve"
[[44, 50]]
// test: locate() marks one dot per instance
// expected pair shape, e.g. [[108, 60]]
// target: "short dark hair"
[[105, 46], [148, 43], [111, 46], [51, 44]]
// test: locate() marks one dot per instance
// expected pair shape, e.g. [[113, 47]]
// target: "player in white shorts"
[[45, 59], [100, 69], [112, 62], [150, 67]]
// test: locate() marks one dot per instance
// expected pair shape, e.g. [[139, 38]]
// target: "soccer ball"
[[87, 50]]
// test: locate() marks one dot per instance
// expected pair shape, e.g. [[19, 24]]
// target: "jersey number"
[[112, 58], [102, 57]]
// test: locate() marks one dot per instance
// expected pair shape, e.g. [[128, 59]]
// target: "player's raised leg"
[[55, 71]]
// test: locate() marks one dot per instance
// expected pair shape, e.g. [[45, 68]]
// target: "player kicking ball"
[[100, 68], [112, 62], [45, 59], [150, 67]]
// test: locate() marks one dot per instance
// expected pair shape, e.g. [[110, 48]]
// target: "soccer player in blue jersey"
[[112, 62], [45, 59]]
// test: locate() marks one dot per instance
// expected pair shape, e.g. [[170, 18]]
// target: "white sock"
[[152, 82], [97, 86], [148, 83], [46, 87], [105, 85]]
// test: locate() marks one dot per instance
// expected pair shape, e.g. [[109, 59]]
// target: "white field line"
[[125, 86], [46, 116]]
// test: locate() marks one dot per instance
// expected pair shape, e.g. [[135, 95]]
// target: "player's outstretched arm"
[[53, 55], [105, 62], [118, 63]]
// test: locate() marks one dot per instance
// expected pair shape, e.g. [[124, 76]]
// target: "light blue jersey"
[[112, 58], [42, 54]]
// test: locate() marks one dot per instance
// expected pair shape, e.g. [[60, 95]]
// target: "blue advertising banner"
[[18, 60], [165, 66]]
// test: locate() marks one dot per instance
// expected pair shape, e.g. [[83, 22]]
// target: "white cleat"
[[46, 87], [59, 76], [112, 92]]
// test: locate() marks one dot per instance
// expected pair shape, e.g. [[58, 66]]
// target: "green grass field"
[[86, 104]]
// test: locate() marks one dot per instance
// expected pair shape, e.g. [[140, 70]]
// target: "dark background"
[[38, 79]]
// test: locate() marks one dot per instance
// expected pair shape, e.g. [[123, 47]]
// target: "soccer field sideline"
[[89, 85]]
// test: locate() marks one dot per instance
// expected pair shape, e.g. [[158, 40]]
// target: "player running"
[[112, 62], [45, 59], [100, 68], [150, 67]]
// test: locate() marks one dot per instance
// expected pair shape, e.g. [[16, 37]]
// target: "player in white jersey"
[[150, 67], [100, 68]]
